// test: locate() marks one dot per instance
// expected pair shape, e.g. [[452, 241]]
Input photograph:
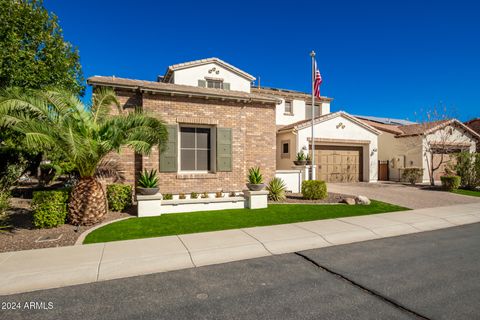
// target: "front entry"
[[339, 163]]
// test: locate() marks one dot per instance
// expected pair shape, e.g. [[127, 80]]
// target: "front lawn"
[[465, 192], [192, 222]]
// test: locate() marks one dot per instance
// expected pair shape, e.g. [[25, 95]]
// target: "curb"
[[84, 234]]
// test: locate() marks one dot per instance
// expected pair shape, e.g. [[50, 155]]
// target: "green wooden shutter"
[[226, 86], [224, 149], [168, 158], [202, 83]]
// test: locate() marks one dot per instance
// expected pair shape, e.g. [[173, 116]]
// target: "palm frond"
[[103, 99], [109, 168]]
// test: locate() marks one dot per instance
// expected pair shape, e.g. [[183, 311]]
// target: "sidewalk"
[[57, 267]]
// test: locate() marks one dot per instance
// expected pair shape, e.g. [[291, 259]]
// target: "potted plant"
[[308, 159], [148, 183], [301, 159], [255, 179]]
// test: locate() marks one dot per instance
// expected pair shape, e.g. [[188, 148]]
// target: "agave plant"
[[85, 134], [148, 179], [255, 176], [276, 189]]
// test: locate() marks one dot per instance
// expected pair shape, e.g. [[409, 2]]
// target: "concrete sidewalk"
[[56, 267]]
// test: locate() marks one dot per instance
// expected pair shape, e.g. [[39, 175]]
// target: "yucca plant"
[[84, 134], [255, 176], [276, 189], [148, 179]]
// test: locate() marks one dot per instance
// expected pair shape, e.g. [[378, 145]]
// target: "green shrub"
[[314, 189], [276, 189], [412, 174], [4, 205], [119, 196], [167, 196], [193, 195], [50, 208], [450, 183], [467, 166], [255, 176]]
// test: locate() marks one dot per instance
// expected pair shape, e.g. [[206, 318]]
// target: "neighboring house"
[[474, 124], [218, 129], [420, 145]]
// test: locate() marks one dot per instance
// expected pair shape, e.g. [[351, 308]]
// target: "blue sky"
[[385, 58]]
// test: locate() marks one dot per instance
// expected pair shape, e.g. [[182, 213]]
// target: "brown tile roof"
[[178, 89], [390, 128], [421, 128], [474, 124], [288, 94]]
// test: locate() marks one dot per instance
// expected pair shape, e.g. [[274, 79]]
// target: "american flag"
[[318, 81]]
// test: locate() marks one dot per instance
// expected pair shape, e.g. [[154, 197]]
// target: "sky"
[[396, 59]]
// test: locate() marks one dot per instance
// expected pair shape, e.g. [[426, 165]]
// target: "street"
[[432, 275]]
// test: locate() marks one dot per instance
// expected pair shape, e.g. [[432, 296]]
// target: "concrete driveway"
[[413, 197]]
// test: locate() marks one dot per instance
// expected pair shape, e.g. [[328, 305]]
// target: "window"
[[288, 107], [216, 84], [195, 148], [285, 149], [308, 110]]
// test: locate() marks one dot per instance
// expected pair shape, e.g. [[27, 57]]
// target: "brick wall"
[[253, 140]]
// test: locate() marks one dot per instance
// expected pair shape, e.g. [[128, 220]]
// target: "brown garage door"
[[339, 163]]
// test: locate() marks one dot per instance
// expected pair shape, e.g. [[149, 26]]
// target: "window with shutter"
[[224, 149], [202, 83], [226, 86], [168, 158]]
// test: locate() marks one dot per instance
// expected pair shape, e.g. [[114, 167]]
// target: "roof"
[[383, 127], [307, 123], [383, 120], [288, 94], [474, 124], [189, 64], [429, 127], [177, 89]]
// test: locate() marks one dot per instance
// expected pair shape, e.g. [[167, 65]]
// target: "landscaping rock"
[[362, 200], [349, 201]]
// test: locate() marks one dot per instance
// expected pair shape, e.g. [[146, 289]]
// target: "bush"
[[450, 183], [412, 174], [50, 208], [314, 189], [193, 195], [167, 196], [119, 196], [276, 189], [467, 166], [4, 205]]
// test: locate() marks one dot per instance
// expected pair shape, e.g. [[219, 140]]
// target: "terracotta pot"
[[255, 187], [147, 191]]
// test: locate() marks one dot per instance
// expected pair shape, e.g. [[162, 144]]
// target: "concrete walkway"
[[57, 267], [413, 197]]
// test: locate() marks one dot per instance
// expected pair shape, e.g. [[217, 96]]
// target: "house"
[[474, 124], [218, 128], [404, 144]]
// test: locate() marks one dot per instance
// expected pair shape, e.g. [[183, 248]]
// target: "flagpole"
[[312, 54]]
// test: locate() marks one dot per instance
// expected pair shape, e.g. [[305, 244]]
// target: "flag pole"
[[312, 54]]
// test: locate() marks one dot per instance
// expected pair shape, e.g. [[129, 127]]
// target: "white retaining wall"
[[292, 178]]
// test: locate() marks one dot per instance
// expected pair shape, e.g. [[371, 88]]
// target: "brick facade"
[[253, 139]]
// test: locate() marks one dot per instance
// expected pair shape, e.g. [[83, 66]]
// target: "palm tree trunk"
[[88, 203]]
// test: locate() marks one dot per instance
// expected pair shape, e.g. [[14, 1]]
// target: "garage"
[[339, 163]]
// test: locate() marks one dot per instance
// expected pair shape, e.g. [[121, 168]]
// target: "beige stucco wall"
[[282, 162]]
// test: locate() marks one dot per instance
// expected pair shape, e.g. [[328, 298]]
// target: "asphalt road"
[[433, 275]]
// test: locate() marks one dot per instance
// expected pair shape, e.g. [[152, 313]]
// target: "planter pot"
[[309, 162], [255, 187], [147, 191], [300, 162]]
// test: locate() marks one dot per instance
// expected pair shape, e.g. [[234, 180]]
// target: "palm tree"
[[84, 134]]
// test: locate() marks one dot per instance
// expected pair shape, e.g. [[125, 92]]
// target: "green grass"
[[192, 222], [465, 192]]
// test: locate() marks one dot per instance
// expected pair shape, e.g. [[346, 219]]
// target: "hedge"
[[450, 183], [314, 189], [119, 196], [50, 208]]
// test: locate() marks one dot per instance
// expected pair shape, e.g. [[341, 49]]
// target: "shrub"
[[205, 195], [4, 205], [276, 189], [314, 189], [181, 196], [148, 179], [255, 176], [467, 166], [193, 195], [412, 174], [49, 172], [450, 183], [167, 196], [49, 208], [219, 194], [119, 196]]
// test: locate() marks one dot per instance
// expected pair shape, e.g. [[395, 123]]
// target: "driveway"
[[429, 275], [413, 197]]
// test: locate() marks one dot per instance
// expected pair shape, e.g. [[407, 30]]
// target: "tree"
[[84, 134], [33, 53]]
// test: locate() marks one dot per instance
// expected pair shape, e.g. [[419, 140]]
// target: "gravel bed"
[[298, 198], [24, 236]]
